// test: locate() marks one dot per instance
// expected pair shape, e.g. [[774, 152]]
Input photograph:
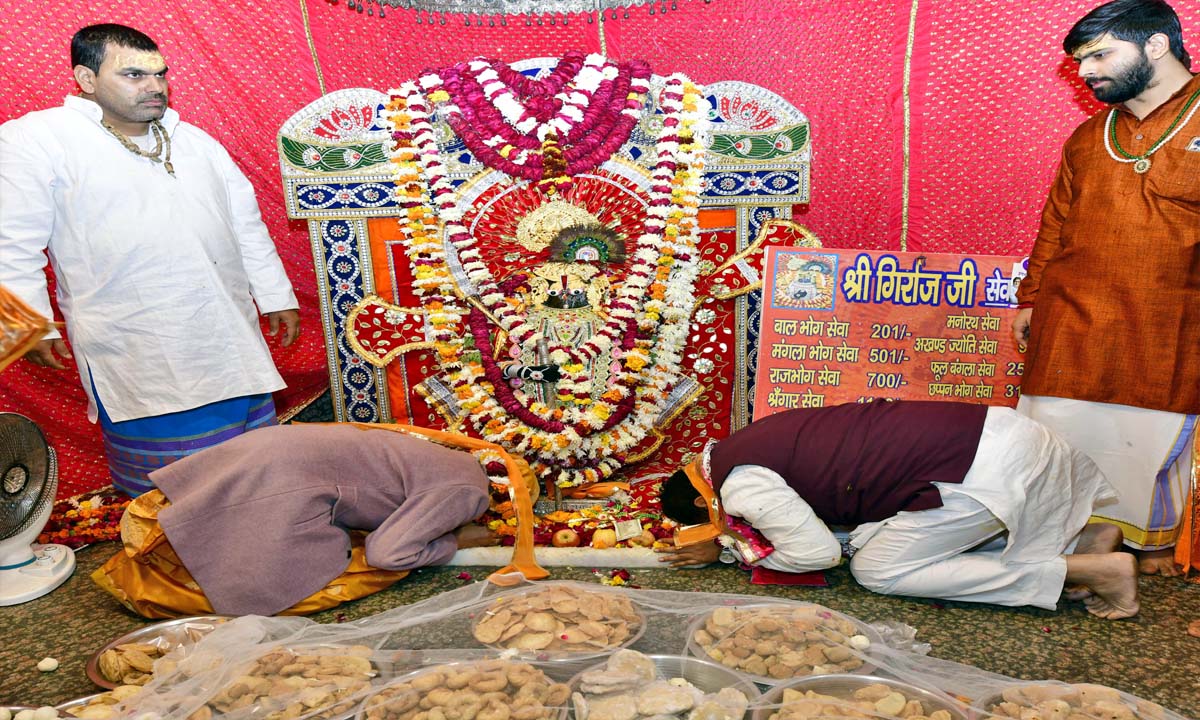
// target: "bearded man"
[[1110, 311]]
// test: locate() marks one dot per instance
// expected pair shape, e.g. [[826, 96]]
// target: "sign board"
[[853, 326]]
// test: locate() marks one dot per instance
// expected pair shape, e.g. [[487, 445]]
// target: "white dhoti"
[[1000, 535], [1146, 454]]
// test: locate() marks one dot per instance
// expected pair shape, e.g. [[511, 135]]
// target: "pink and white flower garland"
[[584, 441], [588, 105]]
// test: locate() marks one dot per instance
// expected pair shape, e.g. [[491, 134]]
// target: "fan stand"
[[28, 570], [47, 567]]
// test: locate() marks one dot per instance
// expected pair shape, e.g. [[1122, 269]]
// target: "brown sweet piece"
[[130, 663]]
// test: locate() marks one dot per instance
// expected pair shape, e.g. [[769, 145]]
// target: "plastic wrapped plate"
[[72, 708], [165, 635], [775, 643], [558, 620], [1081, 699], [843, 687], [707, 676], [460, 685]]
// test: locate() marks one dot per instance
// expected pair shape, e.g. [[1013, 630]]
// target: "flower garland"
[[580, 115], [432, 281], [90, 518], [585, 440]]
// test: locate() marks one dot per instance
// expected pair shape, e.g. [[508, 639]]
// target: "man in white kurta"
[[159, 265], [1003, 527]]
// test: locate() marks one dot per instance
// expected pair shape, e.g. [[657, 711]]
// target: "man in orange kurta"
[[1110, 308]]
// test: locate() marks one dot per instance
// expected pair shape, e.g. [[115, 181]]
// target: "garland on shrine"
[[546, 131]]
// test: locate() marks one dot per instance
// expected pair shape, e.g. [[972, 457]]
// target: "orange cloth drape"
[[1187, 547]]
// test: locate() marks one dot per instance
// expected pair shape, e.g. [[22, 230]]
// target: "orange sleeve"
[[1048, 242]]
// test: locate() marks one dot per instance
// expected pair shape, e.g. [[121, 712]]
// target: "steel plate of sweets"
[[488, 689], [634, 686], [1060, 700], [856, 696], [130, 659], [557, 619], [101, 706], [849, 326], [317, 681], [773, 643]]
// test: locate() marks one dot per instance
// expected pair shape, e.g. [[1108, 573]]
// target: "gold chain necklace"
[[162, 142], [1141, 163]]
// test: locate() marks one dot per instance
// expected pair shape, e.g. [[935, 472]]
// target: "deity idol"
[[568, 359]]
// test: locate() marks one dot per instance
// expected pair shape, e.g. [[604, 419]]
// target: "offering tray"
[[559, 622], [844, 687], [165, 636], [98, 706], [1087, 700], [776, 642], [505, 688], [658, 693]]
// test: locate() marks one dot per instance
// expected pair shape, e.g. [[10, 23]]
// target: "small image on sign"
[[804, 281]]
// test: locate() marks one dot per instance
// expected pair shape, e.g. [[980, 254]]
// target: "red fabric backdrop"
[[991, 100]]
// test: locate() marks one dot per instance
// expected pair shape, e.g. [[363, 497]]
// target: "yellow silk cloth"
[[148, 578]]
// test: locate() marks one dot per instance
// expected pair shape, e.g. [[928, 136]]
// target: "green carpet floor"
[[1150, 655]]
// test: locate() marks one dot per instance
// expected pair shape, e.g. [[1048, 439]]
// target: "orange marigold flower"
[[635, 362]]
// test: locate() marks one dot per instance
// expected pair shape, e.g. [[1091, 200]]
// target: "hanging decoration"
[[498, 11]]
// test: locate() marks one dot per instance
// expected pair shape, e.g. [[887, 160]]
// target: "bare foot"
[[1095, 538], [471, 535], [1112, 578], [1158, 562]]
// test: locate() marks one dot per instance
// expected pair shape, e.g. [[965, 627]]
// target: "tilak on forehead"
[[148, 61]]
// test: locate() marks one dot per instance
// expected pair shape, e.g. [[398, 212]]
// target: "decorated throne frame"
[[336, 176]]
